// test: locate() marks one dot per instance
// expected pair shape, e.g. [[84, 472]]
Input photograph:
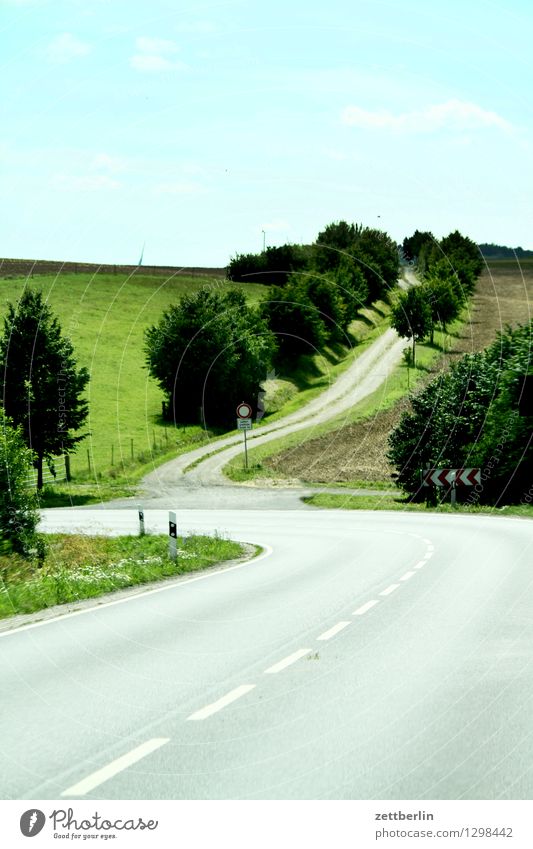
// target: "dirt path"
[[362, 378]]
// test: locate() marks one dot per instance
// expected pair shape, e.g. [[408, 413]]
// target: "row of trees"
[[480, 414], [212, 350], [360, 259], [449, 269]]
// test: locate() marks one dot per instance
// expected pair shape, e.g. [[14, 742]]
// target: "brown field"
[[357, 452]]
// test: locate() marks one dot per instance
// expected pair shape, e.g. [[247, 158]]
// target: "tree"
[[208, 353], [272, 266], [42, 388], [473, 417], [411, 316], [18, 503], [378, 247], [294, 319], [446, 418], [352, 287], [443, 304], [412, 245], [371, 251]]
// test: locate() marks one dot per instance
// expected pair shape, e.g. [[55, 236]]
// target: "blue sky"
[[192, 127]]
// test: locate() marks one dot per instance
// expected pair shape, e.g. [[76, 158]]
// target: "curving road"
[[362, 656]]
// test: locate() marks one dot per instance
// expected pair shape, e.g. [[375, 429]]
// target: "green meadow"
[[105, 316]]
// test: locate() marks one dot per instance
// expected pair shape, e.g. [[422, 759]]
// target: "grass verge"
[[393, 502], [79, 567]]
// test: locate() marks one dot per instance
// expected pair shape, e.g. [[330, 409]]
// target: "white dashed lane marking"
[[407, 576], [390, 589], [287, 661], [119, 765], [230, 697], [365, 607], [327, 635]]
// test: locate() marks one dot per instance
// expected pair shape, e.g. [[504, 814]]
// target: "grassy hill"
[[105, 315]]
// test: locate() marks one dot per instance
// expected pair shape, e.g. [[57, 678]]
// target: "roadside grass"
[[355, 484], [402, 380], [393, 502], [78, 567]]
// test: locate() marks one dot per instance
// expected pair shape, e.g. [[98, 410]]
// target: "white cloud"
[[104, 162], [275, 226], [66, 47], [179, 188], [153, 55], [94, 183], [156, 46], [453, 114], [146, 62], [200, 27]]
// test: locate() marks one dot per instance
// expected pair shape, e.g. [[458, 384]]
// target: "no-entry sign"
[[244, 411]]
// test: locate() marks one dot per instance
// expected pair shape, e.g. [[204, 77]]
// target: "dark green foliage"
[[371, 251], [492, 251], [272, 266], [505, 450], [296, 322], [411, 316], [471, 417], [456, 257], [328, 301], [18, 504], [351, 286], [208, 353], [412, 245], [42, 389], [333, 244], [443, 303], [380, 255]]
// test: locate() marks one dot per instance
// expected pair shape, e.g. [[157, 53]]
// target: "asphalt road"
[[363, 656]]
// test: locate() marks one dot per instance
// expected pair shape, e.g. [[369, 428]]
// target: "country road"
[[362, 656]]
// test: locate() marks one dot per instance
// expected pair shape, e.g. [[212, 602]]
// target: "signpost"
[[446, 477], [452, 478], [172, 535], [244, 423]]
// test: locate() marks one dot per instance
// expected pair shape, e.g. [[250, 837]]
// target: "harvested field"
[[357, 452]]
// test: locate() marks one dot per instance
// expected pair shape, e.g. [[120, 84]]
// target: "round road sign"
[[244, 411]]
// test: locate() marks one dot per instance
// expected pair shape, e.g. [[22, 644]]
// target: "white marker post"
[[141, 522], [172, 535], [244, 423], [454, 489]]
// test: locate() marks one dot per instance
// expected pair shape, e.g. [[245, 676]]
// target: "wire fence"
[[48, 477]]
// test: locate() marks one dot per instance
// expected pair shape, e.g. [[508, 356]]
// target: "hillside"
[[12, 268], [105, 316], [356, 452]]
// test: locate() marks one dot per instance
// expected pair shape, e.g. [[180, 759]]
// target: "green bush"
[[18, 503]]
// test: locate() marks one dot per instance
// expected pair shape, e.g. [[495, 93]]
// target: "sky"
[[198, 130]]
